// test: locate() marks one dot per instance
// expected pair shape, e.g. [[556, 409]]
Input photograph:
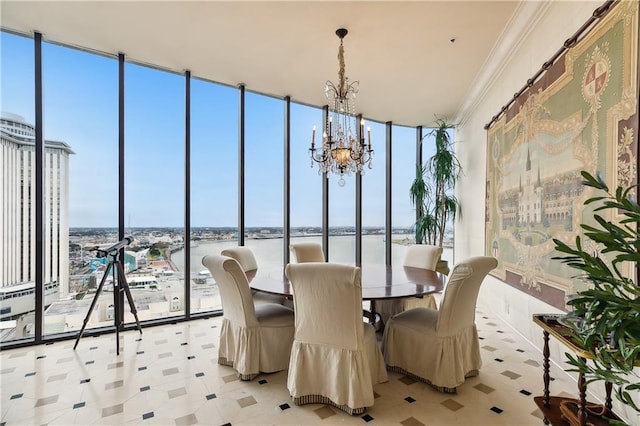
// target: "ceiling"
[[415, 60]]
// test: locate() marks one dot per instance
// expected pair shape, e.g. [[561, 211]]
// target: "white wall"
[[553, 24]]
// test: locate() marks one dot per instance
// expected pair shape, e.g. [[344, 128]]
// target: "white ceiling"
[[402, 53]]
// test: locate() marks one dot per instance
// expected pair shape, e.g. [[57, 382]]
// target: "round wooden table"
[[378, 282]]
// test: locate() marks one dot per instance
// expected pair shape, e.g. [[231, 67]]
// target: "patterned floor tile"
[[451, 404], [153, 381], [324, 412]]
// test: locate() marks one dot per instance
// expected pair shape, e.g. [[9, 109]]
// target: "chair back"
[[327, 300], [307, 252], [235, 294], [244, 256], [458, 306], [422, 256]]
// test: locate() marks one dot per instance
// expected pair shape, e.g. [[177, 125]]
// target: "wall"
[[552, 25]]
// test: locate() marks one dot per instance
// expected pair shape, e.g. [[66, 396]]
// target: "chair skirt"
[[261, 349], [322, 374], [447, 363]]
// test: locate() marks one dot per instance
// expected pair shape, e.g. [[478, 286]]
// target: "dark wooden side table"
[[576, 411]]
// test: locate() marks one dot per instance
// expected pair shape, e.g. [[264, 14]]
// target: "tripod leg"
[[116, 302], [93, 303], [127, 292]]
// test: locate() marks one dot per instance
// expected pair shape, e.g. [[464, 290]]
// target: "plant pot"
[[443, 267]]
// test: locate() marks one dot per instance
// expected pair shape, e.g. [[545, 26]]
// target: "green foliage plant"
[[432, 191], [605, 318]]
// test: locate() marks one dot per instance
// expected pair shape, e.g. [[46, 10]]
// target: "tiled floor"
[[169, 375]]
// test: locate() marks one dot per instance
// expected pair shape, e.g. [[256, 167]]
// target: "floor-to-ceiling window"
[[82, 184], [306, 182], [403, 214], [263, 177], [214, 183], [404, 152], [17, 262], [154, 189], [342, 219], [373, 197], [81, 189]]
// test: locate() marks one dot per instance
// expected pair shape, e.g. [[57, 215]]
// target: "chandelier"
[[343, 149]]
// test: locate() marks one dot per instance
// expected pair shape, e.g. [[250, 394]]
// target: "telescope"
[[120, 289], [112, 251]]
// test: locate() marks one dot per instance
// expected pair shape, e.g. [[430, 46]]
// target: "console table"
[[576, 411]]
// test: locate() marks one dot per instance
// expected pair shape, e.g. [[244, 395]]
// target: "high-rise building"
[[17, 217]]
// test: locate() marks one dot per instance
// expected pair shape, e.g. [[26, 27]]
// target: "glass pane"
[[306, 183], [342, 219], [264, 162], [154, 185], [214, 185], [17, 155], [403, 170], [80, 110], [374, 199]]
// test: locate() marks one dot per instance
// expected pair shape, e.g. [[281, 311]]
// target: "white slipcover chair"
[[335, 358], [253, 340], [422, 256], [244, 256], [307, 252], [247, 260], [441, 348]]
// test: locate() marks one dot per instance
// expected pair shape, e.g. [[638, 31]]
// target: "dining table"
[[378, 281]]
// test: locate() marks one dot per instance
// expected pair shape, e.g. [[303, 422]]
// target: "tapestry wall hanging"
[[580, 114]]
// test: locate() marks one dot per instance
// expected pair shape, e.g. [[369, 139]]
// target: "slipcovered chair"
[[247, 260], [422, 256], [441, 348], [307, 252], [253, 340], [335, 358], [244, 256]]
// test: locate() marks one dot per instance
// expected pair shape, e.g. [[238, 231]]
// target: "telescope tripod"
[[120, 286]]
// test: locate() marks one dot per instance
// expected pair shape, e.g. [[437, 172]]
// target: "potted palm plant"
[[432, 191], [605, 318]]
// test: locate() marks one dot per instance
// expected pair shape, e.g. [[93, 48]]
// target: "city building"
[[17, 218]]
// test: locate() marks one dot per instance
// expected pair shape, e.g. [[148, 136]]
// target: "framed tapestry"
[[580, 114]]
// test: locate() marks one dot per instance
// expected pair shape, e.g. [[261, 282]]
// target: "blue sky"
[[81, 109]]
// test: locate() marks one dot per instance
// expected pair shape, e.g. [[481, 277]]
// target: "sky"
[[81, 109]]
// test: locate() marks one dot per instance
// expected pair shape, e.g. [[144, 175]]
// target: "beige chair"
[[244, 256], [335, 358], [441, 347], [307, 252], [253, 340], [247, 260], [422, 256]]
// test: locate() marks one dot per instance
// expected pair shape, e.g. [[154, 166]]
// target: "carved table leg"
[[545, 376], [582, 407], [545, 365], [607, 402]]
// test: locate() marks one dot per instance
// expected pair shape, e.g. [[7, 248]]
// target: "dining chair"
[[307, 252], [247, 260], [440, 347], [422, 256], [335, 358], [253, 339], [244, 255]]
